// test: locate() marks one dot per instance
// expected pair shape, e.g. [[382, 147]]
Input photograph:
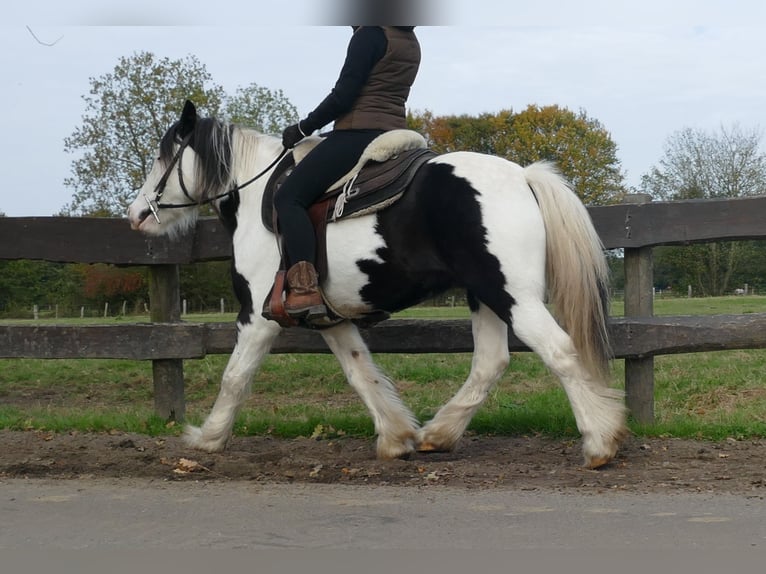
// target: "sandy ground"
[[527, 463]]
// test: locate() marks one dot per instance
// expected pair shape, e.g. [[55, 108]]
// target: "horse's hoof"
[[430, 448], [597, 462], [401, 454], [400, 449]]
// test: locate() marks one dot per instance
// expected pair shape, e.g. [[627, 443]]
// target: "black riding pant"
[[324, 165]]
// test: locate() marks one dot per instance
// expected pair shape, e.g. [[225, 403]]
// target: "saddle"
[[381, 176]]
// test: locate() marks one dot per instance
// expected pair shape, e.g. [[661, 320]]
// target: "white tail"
[[576, 269]]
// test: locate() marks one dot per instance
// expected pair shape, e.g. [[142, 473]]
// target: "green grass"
[[730, 305], [701, 395]]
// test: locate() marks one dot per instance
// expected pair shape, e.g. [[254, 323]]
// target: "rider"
[[368, 99]]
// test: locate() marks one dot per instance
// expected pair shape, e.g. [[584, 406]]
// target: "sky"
[[643, 72]]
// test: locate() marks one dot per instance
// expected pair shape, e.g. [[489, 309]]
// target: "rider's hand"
[[292, 135]]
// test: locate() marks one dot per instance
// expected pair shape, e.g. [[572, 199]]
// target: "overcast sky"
[[643, 73]]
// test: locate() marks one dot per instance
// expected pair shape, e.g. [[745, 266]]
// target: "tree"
[[703, 165], [204, 284], [24, 283], [110, 284], [128, 112], [580, 146], [262, 109]]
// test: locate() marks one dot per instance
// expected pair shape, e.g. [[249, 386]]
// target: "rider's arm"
[[367, 46]]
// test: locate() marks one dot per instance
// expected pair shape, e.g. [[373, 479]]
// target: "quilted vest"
[[381, 103]]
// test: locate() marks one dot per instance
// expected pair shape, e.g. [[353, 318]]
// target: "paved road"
[[136, 514]]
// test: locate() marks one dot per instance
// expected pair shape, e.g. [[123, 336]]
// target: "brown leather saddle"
[[376, 186]]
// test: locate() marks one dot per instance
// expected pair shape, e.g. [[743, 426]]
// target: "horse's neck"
[[252, 153]]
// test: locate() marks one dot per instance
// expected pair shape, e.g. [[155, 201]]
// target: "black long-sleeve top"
[[366, 47]]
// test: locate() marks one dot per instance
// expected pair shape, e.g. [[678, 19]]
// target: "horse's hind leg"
[[598, 409], [395, 425], [253, 344], [490, 359]]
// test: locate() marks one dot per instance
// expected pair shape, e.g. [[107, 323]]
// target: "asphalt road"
[[134, 514]]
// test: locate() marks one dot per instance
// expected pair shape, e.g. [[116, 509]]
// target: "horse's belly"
[[349, 242]]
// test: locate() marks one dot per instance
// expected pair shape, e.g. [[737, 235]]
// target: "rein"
[[159, 189]]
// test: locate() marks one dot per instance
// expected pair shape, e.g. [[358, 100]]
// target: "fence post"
[[639, 302], [168, 374]]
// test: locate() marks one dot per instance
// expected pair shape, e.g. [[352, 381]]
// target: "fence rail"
[[634, 338], [636, 226]]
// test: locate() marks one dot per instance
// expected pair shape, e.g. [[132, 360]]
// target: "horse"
[[515, 238]]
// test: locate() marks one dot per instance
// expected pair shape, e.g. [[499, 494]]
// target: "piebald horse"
[[513, 237]]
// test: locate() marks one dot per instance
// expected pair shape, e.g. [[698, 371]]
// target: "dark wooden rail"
[[632, 226], [633, 338], [636, 226]]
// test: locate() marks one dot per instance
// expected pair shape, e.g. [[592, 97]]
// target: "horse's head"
[[191, 165]]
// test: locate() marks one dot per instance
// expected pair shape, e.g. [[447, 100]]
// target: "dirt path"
[[481, 462]]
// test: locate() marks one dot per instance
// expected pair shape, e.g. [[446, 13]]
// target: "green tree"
[[25, 283], [727, 163], [580, 146], [752, 272], [127, 112], [267, 111], [204, 284]]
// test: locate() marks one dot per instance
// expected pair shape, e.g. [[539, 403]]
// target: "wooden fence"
[[637, 226]]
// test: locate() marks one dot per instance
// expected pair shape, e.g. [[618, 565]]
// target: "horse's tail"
[[576, 269]]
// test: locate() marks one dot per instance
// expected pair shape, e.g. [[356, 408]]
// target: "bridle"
[[159, 189]]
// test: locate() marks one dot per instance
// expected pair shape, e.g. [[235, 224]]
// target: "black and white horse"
[[512, 237]]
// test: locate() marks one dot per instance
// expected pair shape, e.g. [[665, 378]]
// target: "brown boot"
[[303, 297]]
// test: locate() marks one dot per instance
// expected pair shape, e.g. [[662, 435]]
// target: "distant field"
[[662, 306]]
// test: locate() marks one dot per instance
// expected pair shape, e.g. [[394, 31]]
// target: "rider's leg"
[[322, 167]]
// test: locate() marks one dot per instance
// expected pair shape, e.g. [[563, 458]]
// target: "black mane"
[[211, 141]]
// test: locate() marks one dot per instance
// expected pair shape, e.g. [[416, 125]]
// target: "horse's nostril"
[[142, 216]]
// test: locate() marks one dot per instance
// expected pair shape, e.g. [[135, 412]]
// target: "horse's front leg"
[[254, 341], [395, 424]]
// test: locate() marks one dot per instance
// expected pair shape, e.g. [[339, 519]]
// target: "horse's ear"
[[188, 119]]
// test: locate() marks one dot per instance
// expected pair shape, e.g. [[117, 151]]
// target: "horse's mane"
[[211, 141], [223, 150]]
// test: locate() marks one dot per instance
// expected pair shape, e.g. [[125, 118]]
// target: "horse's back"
[[498, 187], [467, 220]]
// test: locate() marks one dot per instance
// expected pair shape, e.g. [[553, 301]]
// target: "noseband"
[[159, 189]]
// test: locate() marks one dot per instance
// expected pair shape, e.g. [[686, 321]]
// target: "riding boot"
[[303, 297]]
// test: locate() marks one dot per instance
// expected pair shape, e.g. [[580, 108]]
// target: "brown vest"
[[380, 105]]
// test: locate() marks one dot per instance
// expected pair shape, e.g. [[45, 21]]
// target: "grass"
[[703, 395], [729, 305]]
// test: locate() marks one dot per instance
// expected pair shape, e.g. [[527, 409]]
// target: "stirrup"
[[308, 314]]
